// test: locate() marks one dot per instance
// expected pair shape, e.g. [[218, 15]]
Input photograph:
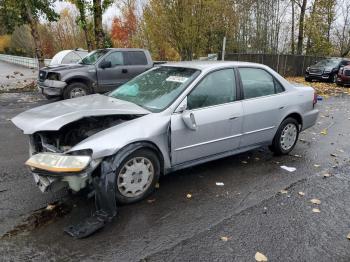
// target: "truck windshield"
[[328, 62], [92, 57], [156, 89]]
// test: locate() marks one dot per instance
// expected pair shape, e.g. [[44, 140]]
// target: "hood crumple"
[[53, 116]]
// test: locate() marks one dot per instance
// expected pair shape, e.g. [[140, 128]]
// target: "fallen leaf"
[[225, 239], [348, 236], [50, 207], [219, 183], [260, 257], [257, 158], [299, 156], [301, 193], [316, 210], [316, 165], [326, 175], [284, 191], [188, 195], [151, 200], [289, 169], [157, 185], [244, 162], [333, 155], [324, 132], [315, 201]]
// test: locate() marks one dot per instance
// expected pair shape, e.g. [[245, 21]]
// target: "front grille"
[[315, 71], [347, 72], [42, 75]]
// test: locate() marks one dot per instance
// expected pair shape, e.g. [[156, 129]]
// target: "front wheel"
[[286, 137], [137, 176], [75, 90]]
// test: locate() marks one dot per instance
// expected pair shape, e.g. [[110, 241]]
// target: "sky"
[[108, 15]]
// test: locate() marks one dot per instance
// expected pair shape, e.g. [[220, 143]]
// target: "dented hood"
[[54, 116]]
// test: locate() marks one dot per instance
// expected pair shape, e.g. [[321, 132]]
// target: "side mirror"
[[189, 120], [106, 64], [182, 106]]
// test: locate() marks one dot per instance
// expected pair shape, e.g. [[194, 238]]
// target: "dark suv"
[[325, 70]]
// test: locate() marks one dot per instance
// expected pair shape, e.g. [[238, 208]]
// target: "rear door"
[[263, 105], [135, 63], [114, 76]]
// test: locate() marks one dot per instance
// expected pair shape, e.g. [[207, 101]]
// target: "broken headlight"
[[53, 76], [59, 162]]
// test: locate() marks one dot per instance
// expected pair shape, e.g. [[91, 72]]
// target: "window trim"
[[237, 99], [273, 77]]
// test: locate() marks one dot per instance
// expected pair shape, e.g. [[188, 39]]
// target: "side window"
[[257, 82], [116, 58], [216, 88], [135, 58]]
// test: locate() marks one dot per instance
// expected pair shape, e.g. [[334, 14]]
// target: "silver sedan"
[[171, 117]]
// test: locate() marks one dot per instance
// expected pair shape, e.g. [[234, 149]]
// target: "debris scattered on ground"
[[219, 183], [39, 218], [284, 191], [289, 169], [244, 162], [316, 210], [188, 196], [225, 239], [326, 175], [348, 236], [334, 155], [260, 257], [316, 165], [157, 185], [315, 201], [151, 200], [299, 156], [324, 132], [301, 193]]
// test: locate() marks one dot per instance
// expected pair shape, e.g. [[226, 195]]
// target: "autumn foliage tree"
[[124, 27]]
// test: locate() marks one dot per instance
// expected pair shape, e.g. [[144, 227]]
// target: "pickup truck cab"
[[100, 71]]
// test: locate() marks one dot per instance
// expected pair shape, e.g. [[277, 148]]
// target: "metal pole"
[[223, 48]]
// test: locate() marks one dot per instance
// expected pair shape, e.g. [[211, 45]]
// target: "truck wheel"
[[76, 89], [286, 137], [137, 176], [308, 79], [333, 78]]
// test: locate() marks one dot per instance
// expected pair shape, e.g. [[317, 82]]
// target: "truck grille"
[[315, 71], [42, 75]]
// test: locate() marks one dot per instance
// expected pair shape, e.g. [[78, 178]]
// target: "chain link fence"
[[23, 61], [286, 65]]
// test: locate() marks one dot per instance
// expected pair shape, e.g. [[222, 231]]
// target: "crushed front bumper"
[[51, 87]]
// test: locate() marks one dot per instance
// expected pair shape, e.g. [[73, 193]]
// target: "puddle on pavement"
[[39, 218]]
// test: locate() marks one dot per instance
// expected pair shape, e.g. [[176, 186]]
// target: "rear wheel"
[[286, 137], [76, 89], [137, 176], [333, 78]]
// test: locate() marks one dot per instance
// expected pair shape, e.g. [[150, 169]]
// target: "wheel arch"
[[297, 117], [80, 79]]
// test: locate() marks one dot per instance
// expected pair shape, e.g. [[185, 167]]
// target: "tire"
[[277, 146], [308, 79], [73, 89], [136, 177], [333, 78]]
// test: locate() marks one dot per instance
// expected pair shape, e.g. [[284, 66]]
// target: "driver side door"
[[217, 118], [111, 77]]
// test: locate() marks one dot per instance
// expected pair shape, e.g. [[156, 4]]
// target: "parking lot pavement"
[[247, 214]]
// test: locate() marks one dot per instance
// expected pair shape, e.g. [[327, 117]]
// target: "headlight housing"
[[53, 76], [60, 163]]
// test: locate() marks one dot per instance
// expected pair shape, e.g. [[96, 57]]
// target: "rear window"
[[135, 58]]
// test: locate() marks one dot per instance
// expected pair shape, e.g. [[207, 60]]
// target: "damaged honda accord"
[[171, 117]]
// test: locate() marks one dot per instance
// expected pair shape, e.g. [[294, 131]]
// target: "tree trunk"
[[293, 22], [35, 34], [99, 34], [81, 6], [301, 28]]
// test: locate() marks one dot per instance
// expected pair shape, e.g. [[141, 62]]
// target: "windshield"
[[92, 57], [328, 62], [156, 89]]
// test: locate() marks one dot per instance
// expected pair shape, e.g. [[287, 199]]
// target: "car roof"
[[207, 65], [124, 49]]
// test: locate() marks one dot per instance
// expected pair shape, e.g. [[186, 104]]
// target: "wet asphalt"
[[218, 223]]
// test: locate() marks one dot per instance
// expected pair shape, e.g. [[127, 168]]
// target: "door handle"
[[281, 108], [124, 71], [233, 117]]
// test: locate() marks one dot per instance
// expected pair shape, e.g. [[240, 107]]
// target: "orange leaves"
[[124, 28]]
